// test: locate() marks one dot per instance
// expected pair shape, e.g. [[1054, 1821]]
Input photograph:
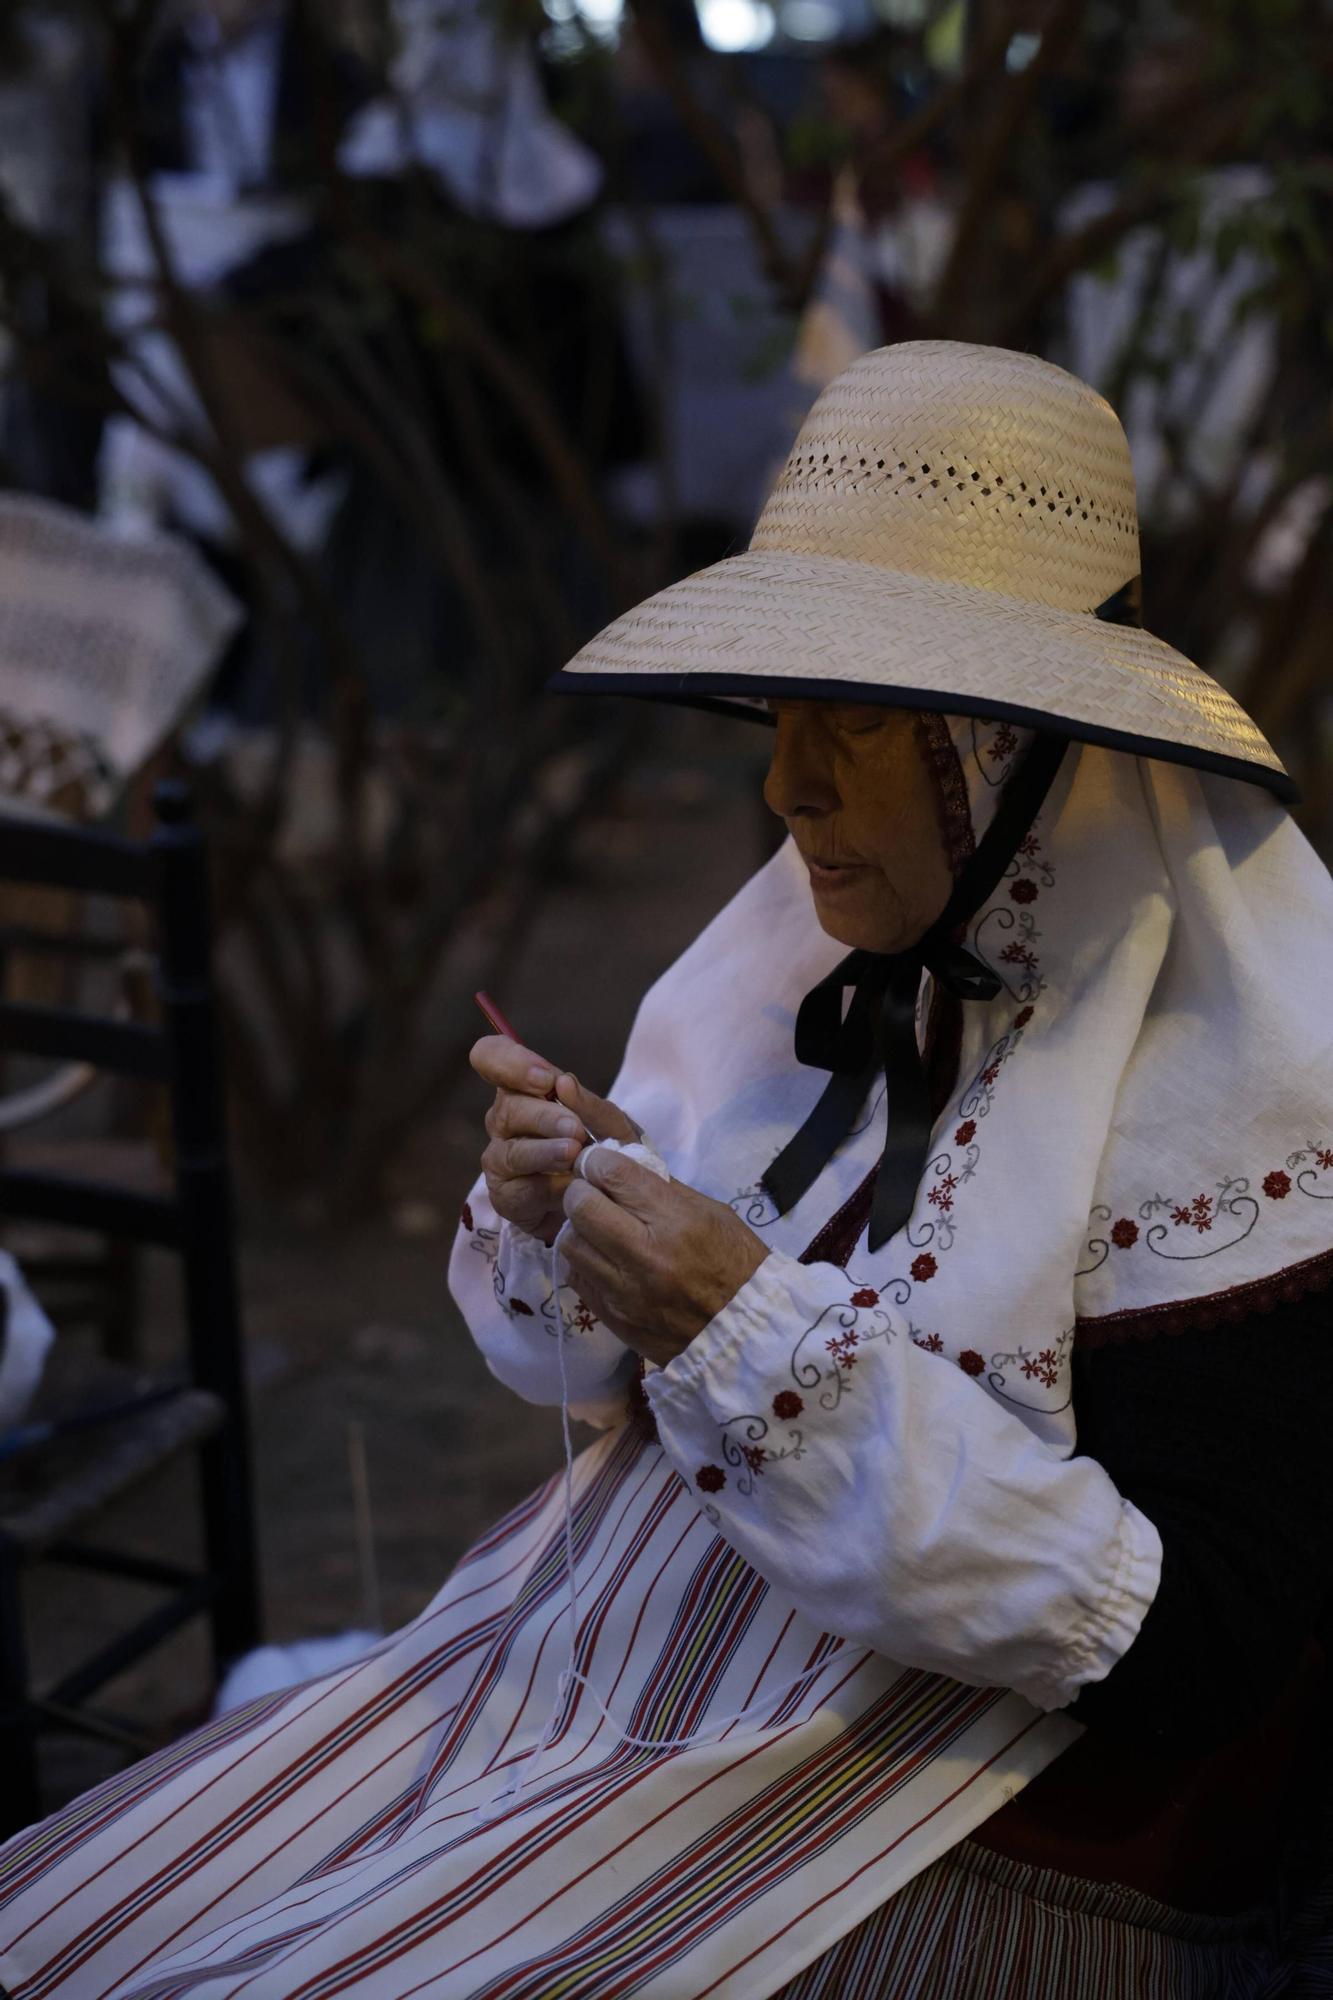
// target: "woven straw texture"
[[946, 524]]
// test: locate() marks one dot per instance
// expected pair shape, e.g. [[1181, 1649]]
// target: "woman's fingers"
[[513, 1159], [511, 1117], [603, 1119], [509, 1066], [590, 1263]]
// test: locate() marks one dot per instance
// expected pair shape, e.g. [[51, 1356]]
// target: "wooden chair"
[[51, 1490]]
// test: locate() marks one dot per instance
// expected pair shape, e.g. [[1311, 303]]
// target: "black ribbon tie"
[[879, 1030]]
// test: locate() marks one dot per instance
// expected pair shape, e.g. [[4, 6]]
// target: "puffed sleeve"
[[500, 1279], [902, 1507]]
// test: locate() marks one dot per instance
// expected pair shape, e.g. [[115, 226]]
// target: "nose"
[[800, 775]]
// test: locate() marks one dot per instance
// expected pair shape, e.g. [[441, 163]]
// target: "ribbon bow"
[[880, 1025]]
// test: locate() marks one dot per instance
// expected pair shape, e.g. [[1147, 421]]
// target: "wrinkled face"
[[852, 783]]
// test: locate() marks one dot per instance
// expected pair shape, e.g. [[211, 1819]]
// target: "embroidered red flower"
[[924, 1267], [1023, 891], [930, 1341], [1325, 1156], [1019, 954], [710, 1478], [519, 1306], [842, 1347], [941, 1197], [1125, 1234], [989, 1074], [1277, 1186], [787, 1404], [865, 1297], [584, 1317], [1004, 745], [1022, 1018], [966, 1132], [754, 1455], [467, 1216], [971, 1362]]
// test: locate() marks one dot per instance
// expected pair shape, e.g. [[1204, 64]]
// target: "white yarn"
[[570, 1675]]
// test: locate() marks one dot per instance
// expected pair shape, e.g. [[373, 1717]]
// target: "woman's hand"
[[656, 1260], [534, 1142]]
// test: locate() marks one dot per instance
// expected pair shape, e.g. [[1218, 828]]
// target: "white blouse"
[[940, 1531]]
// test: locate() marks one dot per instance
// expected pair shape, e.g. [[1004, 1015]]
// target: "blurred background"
[[358, 360]]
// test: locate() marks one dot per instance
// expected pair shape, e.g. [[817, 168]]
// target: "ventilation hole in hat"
[[951, 469], [976, 475], [925, 468], [985, 492], [879, 465]]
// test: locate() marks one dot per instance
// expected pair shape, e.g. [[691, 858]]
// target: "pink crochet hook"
[[502, 1027]]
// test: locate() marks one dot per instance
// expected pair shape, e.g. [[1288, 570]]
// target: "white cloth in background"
[[25, 1340], [103, 646], [229, 89], [467, 104], [210, 227], [1211, 360]]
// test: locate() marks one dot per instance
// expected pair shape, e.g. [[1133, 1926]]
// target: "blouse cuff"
[[979, 1551], [1136, 1572]]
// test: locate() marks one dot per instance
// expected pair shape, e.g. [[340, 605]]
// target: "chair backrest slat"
[[129, 1048], [81, 1204], [70, 857]]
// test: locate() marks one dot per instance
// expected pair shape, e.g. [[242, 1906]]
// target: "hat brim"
[[811, 627]]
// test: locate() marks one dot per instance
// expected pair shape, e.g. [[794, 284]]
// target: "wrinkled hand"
[[656, 1260], [533, 1143]]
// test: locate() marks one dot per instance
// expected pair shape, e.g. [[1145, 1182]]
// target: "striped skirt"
[[979, 1926]]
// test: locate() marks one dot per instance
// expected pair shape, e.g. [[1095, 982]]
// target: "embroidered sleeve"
[[500, 1279], [907, 1509]]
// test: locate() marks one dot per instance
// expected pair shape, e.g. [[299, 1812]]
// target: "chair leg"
[[229, 1551], [20, 1794]]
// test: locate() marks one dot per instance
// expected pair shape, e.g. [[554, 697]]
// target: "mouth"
[[825, 876]]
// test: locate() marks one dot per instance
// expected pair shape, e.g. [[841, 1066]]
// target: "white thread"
[[569, 1674]]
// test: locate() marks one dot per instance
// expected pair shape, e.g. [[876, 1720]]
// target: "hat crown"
[[977, 465]]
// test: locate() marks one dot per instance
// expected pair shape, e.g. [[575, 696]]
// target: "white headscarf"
[[1141, 1131]]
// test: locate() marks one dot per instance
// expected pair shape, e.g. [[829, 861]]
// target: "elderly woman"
[[935, 1615]]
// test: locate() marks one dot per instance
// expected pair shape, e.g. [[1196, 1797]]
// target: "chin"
[[858, 936]]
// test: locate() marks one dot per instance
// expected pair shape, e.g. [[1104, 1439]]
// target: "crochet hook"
[[502, 1027]]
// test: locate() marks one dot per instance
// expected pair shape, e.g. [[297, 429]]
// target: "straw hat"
[[955, 528]]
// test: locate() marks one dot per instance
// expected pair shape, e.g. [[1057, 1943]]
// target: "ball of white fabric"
[[633, 1149]]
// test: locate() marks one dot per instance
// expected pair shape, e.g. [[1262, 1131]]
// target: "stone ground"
[[359, 1329]]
